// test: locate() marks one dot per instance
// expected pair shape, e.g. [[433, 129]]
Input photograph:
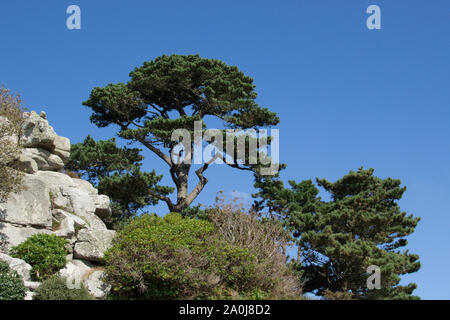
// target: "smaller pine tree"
[[338, 240], [117, 173]]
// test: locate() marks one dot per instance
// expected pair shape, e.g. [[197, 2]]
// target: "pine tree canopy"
[[117, 173], [171, 92], [361, 225]]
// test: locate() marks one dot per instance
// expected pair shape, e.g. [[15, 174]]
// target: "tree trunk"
[[180, 177]]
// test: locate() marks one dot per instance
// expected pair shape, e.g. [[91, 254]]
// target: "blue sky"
[[347, 96]]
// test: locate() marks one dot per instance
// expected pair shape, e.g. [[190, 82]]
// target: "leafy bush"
[[11, 285], [55, 288], [45, 253], [178, 257], [151, 257]]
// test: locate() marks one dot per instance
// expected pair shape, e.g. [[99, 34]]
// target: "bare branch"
[[202, 179], [158, 152], [151, 147], [162, 198]]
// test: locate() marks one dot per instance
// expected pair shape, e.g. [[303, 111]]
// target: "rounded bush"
[[178, 257], [55, 288], [11, 284], [46, 253]]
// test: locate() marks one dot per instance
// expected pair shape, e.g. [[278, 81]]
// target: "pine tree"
[[117, 173], [362, 225], [172, 92]]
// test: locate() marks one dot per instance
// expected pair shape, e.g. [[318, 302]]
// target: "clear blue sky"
[[346, 96]]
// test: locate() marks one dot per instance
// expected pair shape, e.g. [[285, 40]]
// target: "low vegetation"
[[11, 285], [178, 257], [11, 120], [55, 288], [45, 253]]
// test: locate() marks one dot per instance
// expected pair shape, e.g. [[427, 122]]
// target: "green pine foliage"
[[11, 284], [169, 93], [95, 159], [361, 225], [46, 253], [117, 173]]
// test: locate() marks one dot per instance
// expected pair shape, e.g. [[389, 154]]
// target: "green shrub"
[[151, 257], [178, 257], [45, 253], [55, 288], [11, 285]]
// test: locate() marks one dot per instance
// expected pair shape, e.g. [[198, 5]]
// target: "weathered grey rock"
[[68, 223], [45, 160], [30, 207], [13, 235], [67, 194], [85, 185], [60, 200], [102, 206], [18, 265], [79, 272], [32, 285], [92, 244], [69, 246], [37, 133], [96, 286], [62, 148], [83, 206], [76, 270], [26, 164], [55, 179], [29, 295]]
